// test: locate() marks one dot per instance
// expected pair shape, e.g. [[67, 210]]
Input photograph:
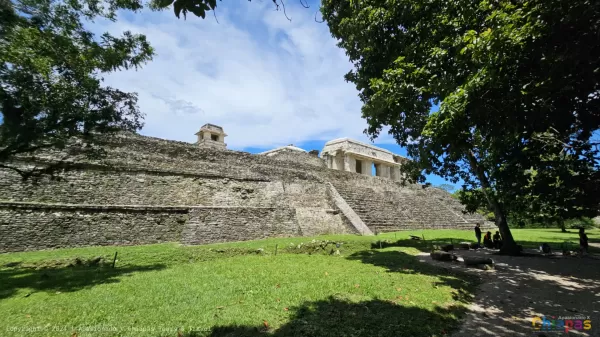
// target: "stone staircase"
[[399, 208]]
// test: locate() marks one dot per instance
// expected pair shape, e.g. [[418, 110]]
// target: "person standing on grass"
[[478, 234], [583, 241]]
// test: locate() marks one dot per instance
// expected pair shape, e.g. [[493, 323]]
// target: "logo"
[[566, 324]]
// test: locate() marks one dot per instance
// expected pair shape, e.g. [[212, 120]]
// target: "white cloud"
[[266, 80]]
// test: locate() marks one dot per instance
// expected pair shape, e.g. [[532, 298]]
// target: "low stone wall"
[[41, 226], [30, 226]]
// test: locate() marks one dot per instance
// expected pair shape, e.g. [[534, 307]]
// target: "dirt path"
[[525, 287]]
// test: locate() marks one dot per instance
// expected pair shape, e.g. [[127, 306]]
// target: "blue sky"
[[267, 81]]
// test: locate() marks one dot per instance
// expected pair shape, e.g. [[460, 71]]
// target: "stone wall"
[[298, 157], [34, 227], [148, 152], [216, 224], [145, 189], [93, 186], [318, 221], [28, 226]]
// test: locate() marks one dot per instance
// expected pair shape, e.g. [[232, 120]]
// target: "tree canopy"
[[50, 76], [517, 84]]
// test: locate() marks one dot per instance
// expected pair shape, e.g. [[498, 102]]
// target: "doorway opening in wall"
[[374, 170], [214, 137], [358, 167]]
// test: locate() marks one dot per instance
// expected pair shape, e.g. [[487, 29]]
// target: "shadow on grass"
[[62, 278], [521, 286], [339, 317], [400, 262]]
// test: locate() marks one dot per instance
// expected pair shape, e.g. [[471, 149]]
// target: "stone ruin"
[[150, 190]]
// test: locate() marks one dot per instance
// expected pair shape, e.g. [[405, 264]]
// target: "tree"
[[563, 193], [50, 78], [517, 83], [554, 199]]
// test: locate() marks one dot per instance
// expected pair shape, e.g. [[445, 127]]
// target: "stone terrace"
[[149, 190], [392, 208]]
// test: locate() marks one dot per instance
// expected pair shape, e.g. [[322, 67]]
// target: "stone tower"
[[211, 135]]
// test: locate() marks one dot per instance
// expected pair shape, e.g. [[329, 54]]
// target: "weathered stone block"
[[442, 256]]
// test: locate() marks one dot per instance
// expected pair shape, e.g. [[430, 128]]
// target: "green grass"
[[240, 289]]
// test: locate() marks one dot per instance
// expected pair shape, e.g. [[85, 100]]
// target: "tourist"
[[487, 240], [545, 248], [497, 240], [583, 241], [478, 234]]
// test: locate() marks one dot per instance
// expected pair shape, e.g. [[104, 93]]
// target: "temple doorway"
[[358, 167]]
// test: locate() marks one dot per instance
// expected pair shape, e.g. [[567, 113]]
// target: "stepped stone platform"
[[149, 190], [394, 208]]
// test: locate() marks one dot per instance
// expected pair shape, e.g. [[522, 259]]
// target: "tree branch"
[[50, 169], [215, 15], [549, 138], [283, 5], [20, 172]]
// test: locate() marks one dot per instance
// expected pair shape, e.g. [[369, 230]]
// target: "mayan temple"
[[149, 190]]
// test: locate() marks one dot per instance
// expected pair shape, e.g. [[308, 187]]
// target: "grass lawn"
[[241, 289]]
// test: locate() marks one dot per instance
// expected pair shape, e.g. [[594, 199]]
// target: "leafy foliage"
[[196, 7], [200, 7], [50, 76], [518, 88]]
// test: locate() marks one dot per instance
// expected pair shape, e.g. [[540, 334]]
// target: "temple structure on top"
[[353, 156], [288, 148], [211, 135], [342, 154]]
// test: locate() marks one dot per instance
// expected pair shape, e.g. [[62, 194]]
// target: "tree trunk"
[[561, 223], [509, 246]]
